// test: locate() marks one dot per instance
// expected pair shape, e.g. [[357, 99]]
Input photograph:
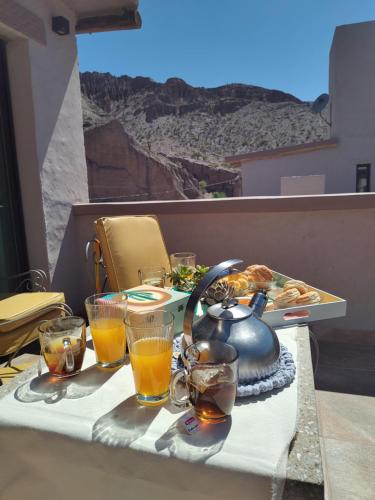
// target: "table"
[[304, 467]]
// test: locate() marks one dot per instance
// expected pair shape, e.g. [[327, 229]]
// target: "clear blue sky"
[[280, 44]]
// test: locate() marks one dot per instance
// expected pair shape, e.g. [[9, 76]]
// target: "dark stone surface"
[[305, 470]]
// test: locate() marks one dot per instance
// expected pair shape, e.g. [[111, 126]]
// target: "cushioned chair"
[[127, 244], [21, 313]]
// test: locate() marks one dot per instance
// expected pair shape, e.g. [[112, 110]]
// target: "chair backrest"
[[129, 243]]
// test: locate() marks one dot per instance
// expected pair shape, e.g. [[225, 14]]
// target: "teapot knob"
[[229, 302]]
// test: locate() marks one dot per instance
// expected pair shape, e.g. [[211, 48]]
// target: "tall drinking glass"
[[106, 313], [187, 259], [150, 340]]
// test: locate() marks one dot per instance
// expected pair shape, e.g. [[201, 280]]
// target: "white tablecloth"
[[243, 458]]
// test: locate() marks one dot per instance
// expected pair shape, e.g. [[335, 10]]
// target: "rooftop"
[[308, 147]]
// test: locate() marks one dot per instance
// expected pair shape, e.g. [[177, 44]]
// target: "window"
[[363, 178], [303, 185]]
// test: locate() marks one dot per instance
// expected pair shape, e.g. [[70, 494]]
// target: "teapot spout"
[[258, 303]]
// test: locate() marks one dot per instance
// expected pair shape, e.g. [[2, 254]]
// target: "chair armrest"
[[32, 280]]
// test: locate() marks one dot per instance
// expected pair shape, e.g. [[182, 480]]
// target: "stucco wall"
[[262, 177], [352, 81], [46, 101]]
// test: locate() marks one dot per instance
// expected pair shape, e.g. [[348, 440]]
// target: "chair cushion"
[[23, 335], [22, 308], [129, 243]]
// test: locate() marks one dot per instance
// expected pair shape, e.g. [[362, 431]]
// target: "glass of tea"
[[185, 259], [63, 344], [106, 313], [150, 341], [210, 378], [152, 275]]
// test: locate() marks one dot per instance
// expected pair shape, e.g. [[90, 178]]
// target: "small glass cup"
[[210, 377], [63, 345], [187, 259], [106, 313], [150, 342], [152, 275]]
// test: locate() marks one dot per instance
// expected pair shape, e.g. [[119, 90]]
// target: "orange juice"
[[109, 339], [151, 360]]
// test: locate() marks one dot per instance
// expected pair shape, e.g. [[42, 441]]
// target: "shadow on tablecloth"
[[125, 423], [198, 446], [52, 389]]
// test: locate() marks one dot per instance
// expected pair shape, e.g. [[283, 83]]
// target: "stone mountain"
[[150, 140]]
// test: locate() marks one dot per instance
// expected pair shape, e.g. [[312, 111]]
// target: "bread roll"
[[300, 285], [312, 297], [288, 296]]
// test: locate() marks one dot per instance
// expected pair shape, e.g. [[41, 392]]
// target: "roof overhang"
[[238, 160], [105, 15]]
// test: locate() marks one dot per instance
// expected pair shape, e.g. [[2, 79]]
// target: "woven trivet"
[[283, 376]]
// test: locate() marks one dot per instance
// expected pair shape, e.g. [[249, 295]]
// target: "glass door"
[[13, 256]]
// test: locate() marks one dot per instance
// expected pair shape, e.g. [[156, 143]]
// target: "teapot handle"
[[223, 269]]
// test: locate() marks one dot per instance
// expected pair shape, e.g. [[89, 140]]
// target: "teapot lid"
[[229, 309]]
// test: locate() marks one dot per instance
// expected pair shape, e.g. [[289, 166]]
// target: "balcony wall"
[[327, 241]]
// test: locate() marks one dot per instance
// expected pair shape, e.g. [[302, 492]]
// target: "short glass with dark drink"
[[63, 345], [210, 377]]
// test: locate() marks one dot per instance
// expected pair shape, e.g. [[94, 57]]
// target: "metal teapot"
[[238, 325]]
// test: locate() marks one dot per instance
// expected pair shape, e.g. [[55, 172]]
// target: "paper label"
[[191, 424]]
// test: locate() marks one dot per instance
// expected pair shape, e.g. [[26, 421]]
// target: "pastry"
[[312, 297], [243, 283], [300, 285], [259, 272], [288, 296]]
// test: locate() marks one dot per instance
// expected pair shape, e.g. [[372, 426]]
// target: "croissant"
[[259, 272]]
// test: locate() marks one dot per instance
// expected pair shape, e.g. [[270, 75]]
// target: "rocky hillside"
[[187, 131]]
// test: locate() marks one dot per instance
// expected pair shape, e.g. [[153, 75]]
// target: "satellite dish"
[[319, 104]]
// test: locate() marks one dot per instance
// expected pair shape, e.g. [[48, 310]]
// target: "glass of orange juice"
[[150, 341], [106, 313]]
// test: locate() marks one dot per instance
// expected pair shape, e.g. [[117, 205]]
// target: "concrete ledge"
[[344, 201], [284, 151], [20, 20]]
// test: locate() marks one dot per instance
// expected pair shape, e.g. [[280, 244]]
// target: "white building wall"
[[352, 81], [46, 101], [352, 101], [262, 177]]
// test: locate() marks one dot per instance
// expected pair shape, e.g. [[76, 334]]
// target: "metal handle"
[[223, 269], [69, 357], [176, 377]]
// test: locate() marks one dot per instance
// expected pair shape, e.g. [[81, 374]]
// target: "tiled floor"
[[347, 428], [346, 362]]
